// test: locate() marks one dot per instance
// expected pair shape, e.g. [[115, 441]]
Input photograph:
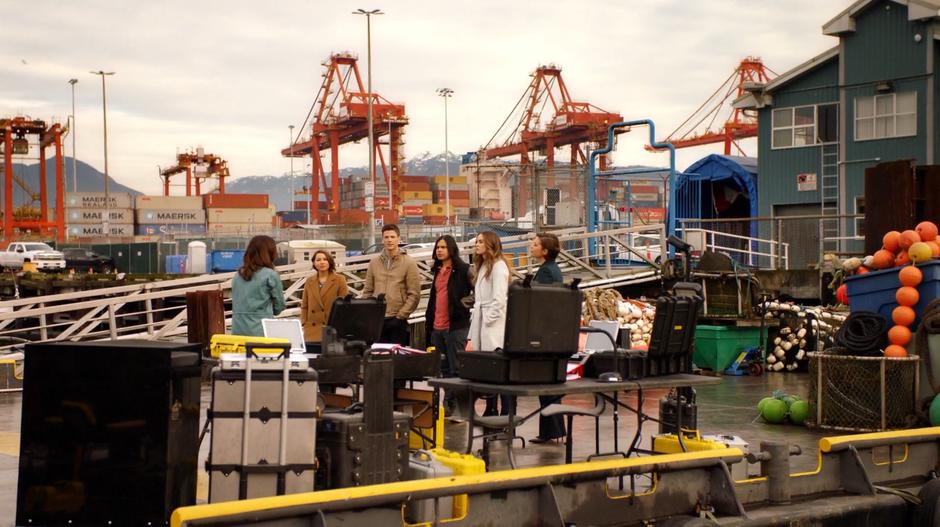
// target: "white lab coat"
[[488, 321]]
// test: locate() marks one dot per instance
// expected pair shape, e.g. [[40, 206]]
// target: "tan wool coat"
[[317, 302]]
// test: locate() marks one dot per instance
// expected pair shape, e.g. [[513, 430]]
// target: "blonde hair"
[[493, 253]]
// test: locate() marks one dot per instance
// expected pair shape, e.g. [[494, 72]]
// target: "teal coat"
[[255, 299]]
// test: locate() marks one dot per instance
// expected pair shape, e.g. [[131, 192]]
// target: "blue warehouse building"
[[869, 99]]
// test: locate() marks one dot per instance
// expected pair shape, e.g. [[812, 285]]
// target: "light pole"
[[370, 196], [290, 128], [106, 216], [73, 82], [446, 93]]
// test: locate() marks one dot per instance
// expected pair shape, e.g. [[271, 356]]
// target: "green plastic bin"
[[716, 347]]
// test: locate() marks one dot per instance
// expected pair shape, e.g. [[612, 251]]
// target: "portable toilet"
[[196, 257]]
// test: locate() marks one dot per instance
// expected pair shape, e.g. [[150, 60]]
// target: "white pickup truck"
[[45, 257]]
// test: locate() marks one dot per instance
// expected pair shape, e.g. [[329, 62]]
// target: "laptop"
[[286, 328], [599, 342]]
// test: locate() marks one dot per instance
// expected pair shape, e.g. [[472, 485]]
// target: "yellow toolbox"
[[461, 464], [236, 344]]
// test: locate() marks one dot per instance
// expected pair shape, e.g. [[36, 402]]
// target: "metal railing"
[[746, 249], [157, 310]]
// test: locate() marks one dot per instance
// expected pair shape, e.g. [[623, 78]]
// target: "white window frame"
[[875, 116], [792, 127], [855, 202]]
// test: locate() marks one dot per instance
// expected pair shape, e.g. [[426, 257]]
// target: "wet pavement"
[[726, 408]]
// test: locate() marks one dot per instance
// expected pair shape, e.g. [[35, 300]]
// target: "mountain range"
[[277, 187]]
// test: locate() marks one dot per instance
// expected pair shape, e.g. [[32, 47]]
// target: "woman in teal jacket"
[[257, 291]]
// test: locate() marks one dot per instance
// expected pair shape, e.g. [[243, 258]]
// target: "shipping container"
[[415, 179], [454, 180], [170, 202], [96, 200], [454, 194], [416, 187], [235, 201], [416, 195], [171, 216], [262, 216], [159, 229], [412, 210], [293, 216], [92, 216], [240, 229], [96, 231]]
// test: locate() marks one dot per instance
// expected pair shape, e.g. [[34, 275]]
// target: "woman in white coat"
[[488, 321]]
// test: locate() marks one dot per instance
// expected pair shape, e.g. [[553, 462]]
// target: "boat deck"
[[728, 408]]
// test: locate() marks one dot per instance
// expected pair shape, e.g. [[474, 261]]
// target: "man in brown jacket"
[[395, 275]]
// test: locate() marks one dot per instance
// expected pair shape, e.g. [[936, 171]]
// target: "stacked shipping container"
[[170, 215], [239, 214], [84, 215]]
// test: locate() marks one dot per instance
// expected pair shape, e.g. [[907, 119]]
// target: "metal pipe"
[[775, 466], [670, 216], [73, 82], [104, 108]]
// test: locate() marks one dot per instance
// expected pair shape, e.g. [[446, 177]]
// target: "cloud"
[[231, 76]]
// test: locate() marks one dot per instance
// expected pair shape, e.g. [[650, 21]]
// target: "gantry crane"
[[340, 113], [739, 124], [199, 167], [16, 132], [550, 119]]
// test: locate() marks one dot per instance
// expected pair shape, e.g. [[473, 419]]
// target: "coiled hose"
[[863, 333]]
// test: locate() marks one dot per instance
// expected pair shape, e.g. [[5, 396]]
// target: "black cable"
[[863, 333]]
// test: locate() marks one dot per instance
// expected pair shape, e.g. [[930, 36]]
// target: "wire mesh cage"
[[862, 394]]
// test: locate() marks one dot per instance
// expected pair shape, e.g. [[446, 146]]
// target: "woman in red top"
[[447, 321]]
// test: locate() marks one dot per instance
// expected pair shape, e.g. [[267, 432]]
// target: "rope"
[[863, 333], [929, 325]]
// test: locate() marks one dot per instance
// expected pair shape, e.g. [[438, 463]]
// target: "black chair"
[[495, 428], [570, 411]]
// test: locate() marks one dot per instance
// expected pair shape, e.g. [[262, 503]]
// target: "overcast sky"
[[232, 75]]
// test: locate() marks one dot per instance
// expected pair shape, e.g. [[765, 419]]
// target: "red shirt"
[[441, 310]]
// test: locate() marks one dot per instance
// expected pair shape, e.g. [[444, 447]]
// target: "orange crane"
[[199, 167], [341, 117], [739, 124], [551, 119], [15, 132]]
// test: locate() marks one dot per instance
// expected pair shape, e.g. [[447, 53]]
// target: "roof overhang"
[[844, 22], [757, 99]]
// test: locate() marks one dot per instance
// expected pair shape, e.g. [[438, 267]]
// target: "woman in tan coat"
[[319, 293]]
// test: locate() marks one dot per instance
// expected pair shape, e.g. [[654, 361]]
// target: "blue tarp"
[[696, 186]]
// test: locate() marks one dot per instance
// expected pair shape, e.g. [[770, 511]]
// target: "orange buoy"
[[895, 352], [910, 276], [903, 316], [907, 296], [899, 335]]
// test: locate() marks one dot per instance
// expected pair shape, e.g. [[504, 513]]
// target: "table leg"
[[616, 423], [640, 419], [470, 416], [679, 421], [512, 432]]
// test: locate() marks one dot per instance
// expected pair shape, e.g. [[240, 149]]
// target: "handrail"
[[154, 310]]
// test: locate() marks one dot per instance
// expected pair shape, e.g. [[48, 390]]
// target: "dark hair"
[[550, 244], [391, 227], [261, 252], [452, 250], [494, 252], [329, 258]]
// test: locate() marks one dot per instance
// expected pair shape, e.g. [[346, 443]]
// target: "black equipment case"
[[109, 432], [499, 368], [366, 443], [542, 319], [248, 407], [358, 319]]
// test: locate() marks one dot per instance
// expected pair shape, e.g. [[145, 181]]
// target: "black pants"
[[396, 331], [551, 427]]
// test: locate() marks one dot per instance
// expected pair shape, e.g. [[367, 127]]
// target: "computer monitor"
[[285, 328], [358, 319]]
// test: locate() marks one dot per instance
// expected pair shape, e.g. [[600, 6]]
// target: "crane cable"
[[697, 110], [314, 105]]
